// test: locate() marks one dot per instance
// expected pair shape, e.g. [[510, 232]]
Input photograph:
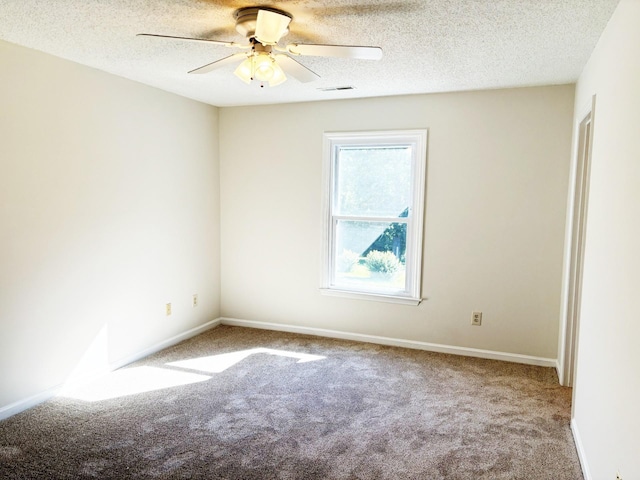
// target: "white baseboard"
[[580, 448], [559, 372], [395, 342], [21, 405]]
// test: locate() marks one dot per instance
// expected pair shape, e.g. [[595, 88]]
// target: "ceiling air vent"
[[335, 89]]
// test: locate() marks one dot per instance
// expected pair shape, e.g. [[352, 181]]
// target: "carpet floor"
[[238, 403]]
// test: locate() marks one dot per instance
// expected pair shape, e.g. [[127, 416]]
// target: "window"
[[374, 186]]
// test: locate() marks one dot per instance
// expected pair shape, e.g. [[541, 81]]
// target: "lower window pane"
[[370, 256]]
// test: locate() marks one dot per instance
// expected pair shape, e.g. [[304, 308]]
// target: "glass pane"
[[370, 255], [373, 181]]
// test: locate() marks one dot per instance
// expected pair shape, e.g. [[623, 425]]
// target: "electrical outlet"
[[167, 309], [194, 302], [476, 318]]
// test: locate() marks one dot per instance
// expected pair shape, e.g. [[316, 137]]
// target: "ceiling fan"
[[263, 59]]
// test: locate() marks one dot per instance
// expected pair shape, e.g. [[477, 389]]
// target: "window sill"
[[376, 297]]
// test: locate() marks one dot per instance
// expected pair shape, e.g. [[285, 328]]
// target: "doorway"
[[576, 252]]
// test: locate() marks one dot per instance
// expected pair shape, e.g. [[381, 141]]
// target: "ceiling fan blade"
[[295, 69], [189, 39], [344, 51], [271, 26], [219, 63]]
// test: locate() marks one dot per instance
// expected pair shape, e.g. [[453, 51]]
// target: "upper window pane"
[[373, 181]]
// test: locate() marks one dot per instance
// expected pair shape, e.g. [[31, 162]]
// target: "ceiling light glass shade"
[[261, 67], [244, 70], [278, 75]]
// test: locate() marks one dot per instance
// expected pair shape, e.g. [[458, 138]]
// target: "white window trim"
[[415, 222]]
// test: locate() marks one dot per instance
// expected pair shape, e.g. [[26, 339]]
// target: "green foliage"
[[393, 239], [346, 260], [382, 262]]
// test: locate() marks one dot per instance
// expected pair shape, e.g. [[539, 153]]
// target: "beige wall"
[[109, 208], [495, 213], [607, 387]]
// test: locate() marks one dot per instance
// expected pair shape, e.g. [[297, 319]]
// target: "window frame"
[[332, 141]]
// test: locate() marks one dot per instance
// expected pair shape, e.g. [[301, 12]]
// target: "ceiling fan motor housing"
[[246, 19]]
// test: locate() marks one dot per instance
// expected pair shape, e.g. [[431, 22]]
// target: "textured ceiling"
[[429, 46]]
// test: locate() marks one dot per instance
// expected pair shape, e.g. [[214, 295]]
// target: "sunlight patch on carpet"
[[219, 363], [130, 381]]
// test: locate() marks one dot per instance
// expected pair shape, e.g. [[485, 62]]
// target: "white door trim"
[[575, 243]]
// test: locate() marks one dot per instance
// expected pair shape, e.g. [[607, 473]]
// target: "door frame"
[[575, 244]]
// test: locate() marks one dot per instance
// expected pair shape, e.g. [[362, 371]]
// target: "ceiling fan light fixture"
[[264, 27], [260, 66]]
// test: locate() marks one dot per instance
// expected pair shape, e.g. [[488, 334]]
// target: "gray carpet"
[[361, 411]]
